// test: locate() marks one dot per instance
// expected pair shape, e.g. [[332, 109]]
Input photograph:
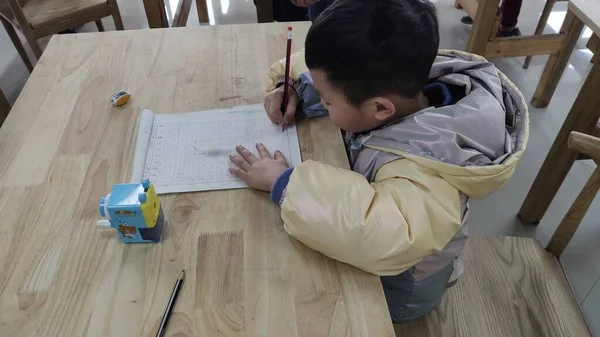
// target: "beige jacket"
[[410, 207]]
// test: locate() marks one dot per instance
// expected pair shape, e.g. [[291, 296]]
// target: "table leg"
[[483, 24], [202, 8], [557, 62], [156, 13], [583, 118], [4, 107]]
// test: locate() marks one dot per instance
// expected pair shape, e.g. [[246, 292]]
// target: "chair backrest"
[[14, 10], [5, 8], [590, 146]]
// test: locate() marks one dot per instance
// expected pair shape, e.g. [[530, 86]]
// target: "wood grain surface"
[[523, 45], [63, 146], [511, 287]]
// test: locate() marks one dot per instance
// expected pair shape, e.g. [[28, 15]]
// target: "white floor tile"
[[591, 309]]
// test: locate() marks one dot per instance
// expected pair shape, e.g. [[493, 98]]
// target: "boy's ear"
[[384, 108]]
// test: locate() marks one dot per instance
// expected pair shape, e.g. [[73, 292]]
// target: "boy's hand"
[[273, 102], [262, 173]]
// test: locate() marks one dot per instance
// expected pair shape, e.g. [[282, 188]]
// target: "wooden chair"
[[38, 18], [483, 40], [14, 37], [512, 286], [4, 107]]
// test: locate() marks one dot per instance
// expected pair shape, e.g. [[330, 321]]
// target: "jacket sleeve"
[[384, 227], [310, 102]]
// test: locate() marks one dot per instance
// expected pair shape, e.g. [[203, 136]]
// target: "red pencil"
[[288, 55]]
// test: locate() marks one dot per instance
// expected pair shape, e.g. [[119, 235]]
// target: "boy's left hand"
[[262, 173]]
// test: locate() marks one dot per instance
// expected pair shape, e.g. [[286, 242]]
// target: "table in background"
[[582, 117], [63, 147]]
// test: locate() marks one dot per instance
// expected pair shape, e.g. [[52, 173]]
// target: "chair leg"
[[569, 224], [32, 40], [202, 8], [116, 14], [100, 25], [14, 37], [541, 25], [483, 27]]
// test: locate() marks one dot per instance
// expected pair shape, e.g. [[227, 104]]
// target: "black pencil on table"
[[170, 305]]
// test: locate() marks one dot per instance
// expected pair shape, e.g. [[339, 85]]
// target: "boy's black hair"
[[374, 47]]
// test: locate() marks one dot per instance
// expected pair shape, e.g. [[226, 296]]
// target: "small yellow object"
[[120, 98]]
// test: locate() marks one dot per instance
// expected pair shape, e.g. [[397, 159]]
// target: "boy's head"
[[370, 59]]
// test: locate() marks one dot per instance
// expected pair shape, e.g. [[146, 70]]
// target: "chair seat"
[[44, 12], [510, 287]]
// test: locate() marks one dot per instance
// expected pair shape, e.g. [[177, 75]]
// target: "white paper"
[[190, 151]]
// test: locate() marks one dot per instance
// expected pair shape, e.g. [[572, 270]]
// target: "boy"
[[425, 131]]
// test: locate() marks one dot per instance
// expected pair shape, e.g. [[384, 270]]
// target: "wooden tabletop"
[[63, 146], [587, 11]]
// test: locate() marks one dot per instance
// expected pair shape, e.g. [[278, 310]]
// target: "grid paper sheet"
[[190, 151]]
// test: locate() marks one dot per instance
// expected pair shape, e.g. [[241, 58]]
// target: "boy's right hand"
[[273, 102]]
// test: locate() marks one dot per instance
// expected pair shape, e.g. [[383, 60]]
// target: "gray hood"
[[485, 127]]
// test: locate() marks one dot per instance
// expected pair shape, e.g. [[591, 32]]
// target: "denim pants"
[[315, 9], [409, 299]]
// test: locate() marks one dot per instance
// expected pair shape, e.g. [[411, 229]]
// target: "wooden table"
[[582, 117], [63, 146]]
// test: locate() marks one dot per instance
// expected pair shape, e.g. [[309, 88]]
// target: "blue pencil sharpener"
[[134, 210]]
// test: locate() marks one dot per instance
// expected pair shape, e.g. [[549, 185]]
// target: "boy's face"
[[367, 116]]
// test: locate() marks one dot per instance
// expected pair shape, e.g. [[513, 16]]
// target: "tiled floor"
[[496, 213]]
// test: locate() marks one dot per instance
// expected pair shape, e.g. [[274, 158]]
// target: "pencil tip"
[[182, 275]]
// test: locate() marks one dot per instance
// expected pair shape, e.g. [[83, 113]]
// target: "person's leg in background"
[[468, 21], [264, 10], [285, 10], [509, 18], [315, 9]]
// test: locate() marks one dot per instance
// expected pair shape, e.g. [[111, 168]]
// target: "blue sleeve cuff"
[[278, 189]]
